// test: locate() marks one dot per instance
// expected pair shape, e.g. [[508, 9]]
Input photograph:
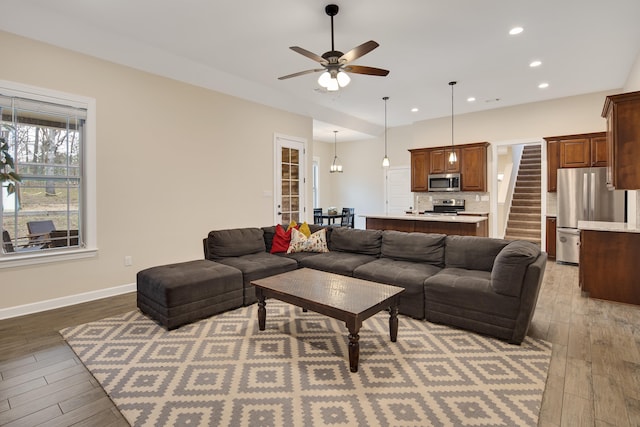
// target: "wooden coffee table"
[[340, 297]]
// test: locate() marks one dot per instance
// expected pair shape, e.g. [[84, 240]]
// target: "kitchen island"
[[462, 225], [608, 261]]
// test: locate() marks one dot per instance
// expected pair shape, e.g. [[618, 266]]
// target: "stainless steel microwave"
[[444, 182]]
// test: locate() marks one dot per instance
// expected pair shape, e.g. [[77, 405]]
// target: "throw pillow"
[[292, 225], [317, 242], [304, 229], [281, 240]]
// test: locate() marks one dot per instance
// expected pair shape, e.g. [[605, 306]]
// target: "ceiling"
[[241, 47]]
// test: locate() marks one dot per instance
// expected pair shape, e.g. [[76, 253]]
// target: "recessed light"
[[535, 64], [414, 110], [471, 99], [543, 85], [516, 30]]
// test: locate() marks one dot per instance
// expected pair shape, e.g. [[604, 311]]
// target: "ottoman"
[[177, 294]]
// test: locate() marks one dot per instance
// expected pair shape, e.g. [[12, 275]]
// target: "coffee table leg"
[[354, 350], [262, 311], [393, 323]]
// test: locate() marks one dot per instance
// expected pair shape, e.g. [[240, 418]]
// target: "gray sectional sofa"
[[481, 284]]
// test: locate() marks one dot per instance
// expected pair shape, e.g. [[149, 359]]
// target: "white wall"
[[174, 161]]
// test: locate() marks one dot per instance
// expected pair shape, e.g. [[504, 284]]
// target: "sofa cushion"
[[408, 274], [510, 266], [281, 240], [317, 242], [345, 239], [468, 289], [471, 252], [421, 247], [235, 242], [336, 262]]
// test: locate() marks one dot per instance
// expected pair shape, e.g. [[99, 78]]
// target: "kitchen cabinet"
[[574, 151], [623, 140], [471, 165], [551, 237], [553, 163], [608, 265], [439, 160], [419, 169], [441, 225]]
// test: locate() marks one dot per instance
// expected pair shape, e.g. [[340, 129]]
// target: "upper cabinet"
[[439, 160], [471, 164], [574, 151], [473, 167], [419, 169], [623, 140]]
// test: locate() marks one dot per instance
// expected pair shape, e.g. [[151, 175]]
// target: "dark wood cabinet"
[[623, 140], [473, 167], [419, 169], [551, 237], [479, 228], [553, 159], [608, 268], [439, 160], [574, 151]]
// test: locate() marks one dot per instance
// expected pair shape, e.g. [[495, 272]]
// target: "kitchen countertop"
[[622, 227], [434, 218]]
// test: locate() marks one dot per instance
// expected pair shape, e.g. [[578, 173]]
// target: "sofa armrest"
[[510, 266], [529, 297]]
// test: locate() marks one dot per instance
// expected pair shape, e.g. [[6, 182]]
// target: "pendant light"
[[335, 166], [385, 161], [452, 156]]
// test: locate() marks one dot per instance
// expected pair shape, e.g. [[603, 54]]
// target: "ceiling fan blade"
[[300, 73], [308, 54], [359, 69], [358, 51]]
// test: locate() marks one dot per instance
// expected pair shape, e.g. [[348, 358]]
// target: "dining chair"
[[317, 216], [347, 217]]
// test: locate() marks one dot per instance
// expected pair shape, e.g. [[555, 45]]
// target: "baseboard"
[[51, 304]]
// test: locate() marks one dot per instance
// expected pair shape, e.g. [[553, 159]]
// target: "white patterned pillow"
[[317, 242]]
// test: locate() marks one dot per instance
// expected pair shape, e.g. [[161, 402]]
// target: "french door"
[[289, 179]]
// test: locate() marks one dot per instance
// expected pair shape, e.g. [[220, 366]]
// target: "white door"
[[398, 196], [289, 179]]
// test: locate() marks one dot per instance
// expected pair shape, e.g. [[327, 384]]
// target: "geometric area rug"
[[223, 371]]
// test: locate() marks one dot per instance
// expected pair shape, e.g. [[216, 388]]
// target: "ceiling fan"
[[335, 63]]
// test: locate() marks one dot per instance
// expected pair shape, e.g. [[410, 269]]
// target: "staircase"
[[524, 217]]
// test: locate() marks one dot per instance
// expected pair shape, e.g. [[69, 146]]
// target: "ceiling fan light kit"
[[335, 63]]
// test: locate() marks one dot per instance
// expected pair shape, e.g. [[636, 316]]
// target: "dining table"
[[330, 217]]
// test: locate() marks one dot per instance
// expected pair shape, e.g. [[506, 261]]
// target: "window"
[[49, 213]]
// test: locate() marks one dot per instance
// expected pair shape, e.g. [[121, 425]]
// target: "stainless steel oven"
[[444, 182]]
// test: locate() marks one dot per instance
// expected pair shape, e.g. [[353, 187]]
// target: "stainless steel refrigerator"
[[583, 196]]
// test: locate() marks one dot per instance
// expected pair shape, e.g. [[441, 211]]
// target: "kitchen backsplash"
[[474, 202]]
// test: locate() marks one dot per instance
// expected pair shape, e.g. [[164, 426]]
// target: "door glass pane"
[[290, 177]]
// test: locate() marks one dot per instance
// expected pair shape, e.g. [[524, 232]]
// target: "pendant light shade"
[[336, 166], [452, 156], [385, 161]]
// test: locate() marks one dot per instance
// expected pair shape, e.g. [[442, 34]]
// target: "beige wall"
[[173, 162]]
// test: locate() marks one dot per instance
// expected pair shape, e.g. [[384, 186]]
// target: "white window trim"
[[89, 166]]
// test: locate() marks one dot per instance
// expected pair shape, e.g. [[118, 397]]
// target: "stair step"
[[523, 232], [525, 217], [524, 209], [524, 225]]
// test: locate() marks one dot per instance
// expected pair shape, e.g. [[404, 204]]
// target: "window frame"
[[88, 168]]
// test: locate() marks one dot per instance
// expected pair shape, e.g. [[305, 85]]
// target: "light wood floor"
[[594, 376]]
